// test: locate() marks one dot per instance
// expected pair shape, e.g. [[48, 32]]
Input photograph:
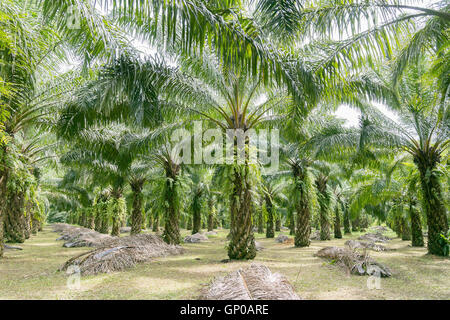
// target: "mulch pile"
[[119, 253], [374, 237], [256, 282], [354, 262], [74, 236]]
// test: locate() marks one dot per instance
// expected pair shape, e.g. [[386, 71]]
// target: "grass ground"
[[32, 273]]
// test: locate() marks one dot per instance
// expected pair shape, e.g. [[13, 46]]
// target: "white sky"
[[351, 115]]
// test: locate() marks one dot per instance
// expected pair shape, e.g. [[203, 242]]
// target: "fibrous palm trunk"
[[406, 230], [14, 223], [196, 215], [35, 222], [91, 221], [270, 233], [197, 219], [337, 224], [211, 216], [324, 203], [302, 207], [416, 226], [150, 221], [104, 226], [136, 214], [117, 214], [278, 224], [260, 220], [242, 242], [291, 224], [171, 233], [155, 227], [189, 224], [347, 229], [27, 220], [115, 230], [2, 208], [433, 202], [98, 219]]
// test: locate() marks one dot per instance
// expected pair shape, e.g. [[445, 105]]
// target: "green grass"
[[32, 273]]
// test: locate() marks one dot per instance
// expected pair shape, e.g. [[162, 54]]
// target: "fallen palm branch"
[[254, 283], [117, 254], [8, 247], [353, 261]]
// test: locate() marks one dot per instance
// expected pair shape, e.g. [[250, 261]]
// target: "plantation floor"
[[32, 273]]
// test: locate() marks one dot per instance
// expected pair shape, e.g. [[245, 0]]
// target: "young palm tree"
[[200, 179], [423, 133], [171, 194]]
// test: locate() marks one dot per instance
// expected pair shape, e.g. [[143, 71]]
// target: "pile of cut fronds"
[[117, 254], [354, 262], [78, 236], [374, 237], [355, 244], [254, 283]]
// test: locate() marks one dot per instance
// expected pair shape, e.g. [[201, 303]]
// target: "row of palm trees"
[[230, 56]]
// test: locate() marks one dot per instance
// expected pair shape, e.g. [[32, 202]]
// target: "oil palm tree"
[[423, 133], [26, 49]]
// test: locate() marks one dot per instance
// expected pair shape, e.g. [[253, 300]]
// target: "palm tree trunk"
[[416, 226], [302, 207], [35, 221], [270, 233], [171, 233], [242, 243], [347, 229], [196, 215], [115, 230], [434, 208], [155, 227], [118, 211], [104, 226], [291, 224], [136, 214], [406, 230], [14, 222], [337, 224], [324, 203], [27, 220], [189, 224], [150, 221], [91, 218], [211, 216], [303, 231], [98, 219], [197, 219], [3, 200], [278, 224], [260, 220]]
